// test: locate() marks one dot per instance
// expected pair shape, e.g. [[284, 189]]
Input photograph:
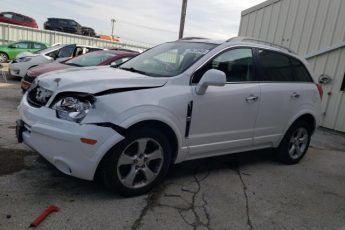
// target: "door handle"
[[252, 98], [295, 95]]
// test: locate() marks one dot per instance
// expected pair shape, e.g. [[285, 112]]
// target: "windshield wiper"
[[73, 64], [135, 70]]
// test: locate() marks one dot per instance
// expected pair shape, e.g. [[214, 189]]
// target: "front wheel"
[[295, 143], [3, 57], [135, 165]]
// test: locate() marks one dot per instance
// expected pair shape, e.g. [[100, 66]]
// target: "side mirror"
[[12, 46], [211, 77]]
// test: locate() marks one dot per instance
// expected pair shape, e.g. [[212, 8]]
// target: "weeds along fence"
[[11, 33]]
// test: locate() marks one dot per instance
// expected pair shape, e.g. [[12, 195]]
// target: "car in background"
[[11, 50], [97, 58], [63, 25], [18, 19], [19, 66], [87, 31]]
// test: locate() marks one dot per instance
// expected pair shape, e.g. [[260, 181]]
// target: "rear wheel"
[[3, 57], [295, 143], [135, 165]]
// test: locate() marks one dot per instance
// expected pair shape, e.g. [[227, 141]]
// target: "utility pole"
[[183, 17], [112, 27]]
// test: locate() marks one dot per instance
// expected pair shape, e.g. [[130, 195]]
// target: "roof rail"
[[247, 39], [191, 38]]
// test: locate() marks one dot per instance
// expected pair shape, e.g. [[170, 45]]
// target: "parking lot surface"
[[241, 191]]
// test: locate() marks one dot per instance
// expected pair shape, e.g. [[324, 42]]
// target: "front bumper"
[[15, 70], [59, 141]]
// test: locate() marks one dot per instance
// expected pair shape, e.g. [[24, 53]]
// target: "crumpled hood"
[[95, 79]]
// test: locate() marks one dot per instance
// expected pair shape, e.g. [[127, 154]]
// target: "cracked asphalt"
[[241, 191]]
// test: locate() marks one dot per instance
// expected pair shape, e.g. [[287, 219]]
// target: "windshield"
[[91, 59], [168, 59], [48, 50]]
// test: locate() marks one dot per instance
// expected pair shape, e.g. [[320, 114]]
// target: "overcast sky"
[[146, 21]]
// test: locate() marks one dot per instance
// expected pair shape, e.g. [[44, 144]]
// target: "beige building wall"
[[315, 29]]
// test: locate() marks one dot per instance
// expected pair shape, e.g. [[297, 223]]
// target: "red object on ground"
[[40, 218]]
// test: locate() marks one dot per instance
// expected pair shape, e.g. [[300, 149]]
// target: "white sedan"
[[23, 62]]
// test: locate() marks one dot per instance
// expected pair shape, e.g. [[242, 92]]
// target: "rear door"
[[285, 86], [223, 119]]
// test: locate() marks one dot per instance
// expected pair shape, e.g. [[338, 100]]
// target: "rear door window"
[[18, 17], [275, 67], [38, 46]]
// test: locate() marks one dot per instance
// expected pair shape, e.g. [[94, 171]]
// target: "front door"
[[223, 119]]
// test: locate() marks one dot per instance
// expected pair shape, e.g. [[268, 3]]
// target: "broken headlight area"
[[73, 108]]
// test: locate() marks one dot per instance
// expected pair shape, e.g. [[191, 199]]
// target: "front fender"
[[146, 113]]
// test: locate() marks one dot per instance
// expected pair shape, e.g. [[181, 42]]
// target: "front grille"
[[29, 78], [38, 96]]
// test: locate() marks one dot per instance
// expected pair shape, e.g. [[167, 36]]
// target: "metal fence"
[[10, 33]]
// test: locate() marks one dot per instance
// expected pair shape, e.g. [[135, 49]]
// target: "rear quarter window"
[[300, 72], [278, 67]]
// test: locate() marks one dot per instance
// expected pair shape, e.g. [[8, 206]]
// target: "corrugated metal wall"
[[9, 33], [314, 29]]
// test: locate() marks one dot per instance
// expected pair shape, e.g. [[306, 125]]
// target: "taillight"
[[319, 88]]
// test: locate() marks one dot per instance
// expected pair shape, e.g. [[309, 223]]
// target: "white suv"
[[178, 101]]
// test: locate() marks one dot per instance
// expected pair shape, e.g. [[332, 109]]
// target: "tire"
[[3, 57], [295, 143], [131, 169]]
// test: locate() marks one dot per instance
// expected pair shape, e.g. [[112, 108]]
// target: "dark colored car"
[[63, 25], [97, 58], [87, 31], [18, 19]]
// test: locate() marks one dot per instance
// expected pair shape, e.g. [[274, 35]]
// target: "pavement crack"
[[244, 188], [152, 201], [192, 205]]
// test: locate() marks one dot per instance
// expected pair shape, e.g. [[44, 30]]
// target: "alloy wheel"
[[140, 163], [298, 143]]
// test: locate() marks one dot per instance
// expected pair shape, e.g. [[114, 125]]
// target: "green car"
[[11, 50]]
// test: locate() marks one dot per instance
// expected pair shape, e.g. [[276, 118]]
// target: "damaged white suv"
[[178, 101]]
